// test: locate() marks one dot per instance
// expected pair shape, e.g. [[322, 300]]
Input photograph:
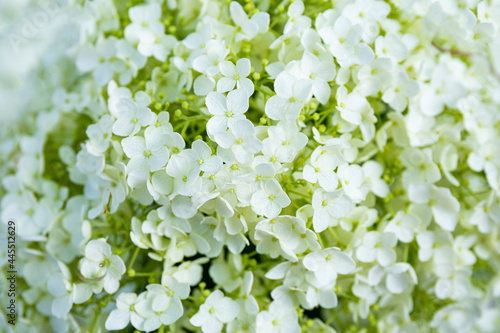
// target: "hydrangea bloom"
[[251, 166]]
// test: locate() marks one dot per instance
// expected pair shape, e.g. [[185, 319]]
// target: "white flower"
[[131, 118], [155, 43], [235, 76], [404, 226], [240, 139], [452, 282], [343, 40], [297, 22], [201, 153], [321, 170], [355, 109], [400, 90], [329, 207], [197, 41], [225, 111], [369, 14], [289, 232], [279, 318], [391, 46], [327, 263], [291, 95], [399, 277], [442, 90], [270, 199], [352, 179], [378, 246], [99, 60], [374, 77], [227, 273], [163, 122], [283, 142], [148, 153], [373, 171], [216, 311], [485, 216], [444, 206], [208, 63], [420, 166], [435, 244], [100, 263], [143, 17], [120, 317], [185, 173], [99, 135], [258, 23], [61, 289], [162, 304], [320, 73], [462, 245]]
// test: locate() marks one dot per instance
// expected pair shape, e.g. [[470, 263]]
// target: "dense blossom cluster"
[[259, 166]]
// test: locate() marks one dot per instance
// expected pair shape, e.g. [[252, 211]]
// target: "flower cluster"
[[258, 166]]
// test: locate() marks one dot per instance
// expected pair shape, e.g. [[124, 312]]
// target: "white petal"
[[97, 250], [117, 320], [226, 310], [227, 68], [62, 305], [343, 263], [237, 13], [366, 254], [87, 60], [386, 256], [225, 84], [203, 85], [133, 146], [216, 104]]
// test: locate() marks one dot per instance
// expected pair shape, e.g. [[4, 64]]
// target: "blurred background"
[[32, 35]]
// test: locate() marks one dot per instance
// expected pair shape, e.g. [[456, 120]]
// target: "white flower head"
[[327, 264], [216, 311], [100, 263]]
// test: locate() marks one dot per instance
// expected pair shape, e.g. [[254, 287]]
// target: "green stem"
[[133, 258], [320, 241], [334, 235], [300, 194], [147, 274], [347, 296], [183, 132], [406, 250]]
